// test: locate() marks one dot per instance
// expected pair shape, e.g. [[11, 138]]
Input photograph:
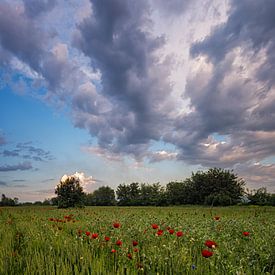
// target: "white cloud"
[[84, 181]]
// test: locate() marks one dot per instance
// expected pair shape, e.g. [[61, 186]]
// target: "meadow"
[[137, 240]]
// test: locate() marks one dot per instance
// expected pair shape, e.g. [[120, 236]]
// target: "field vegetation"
[[137, 240]]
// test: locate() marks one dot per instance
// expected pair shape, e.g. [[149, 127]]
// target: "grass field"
[[118, 240]]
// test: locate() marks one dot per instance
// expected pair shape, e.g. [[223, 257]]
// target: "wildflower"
[[210, 244], [246, 233], [179, 234], [135, 249], [160, 232], [94, 235], [88, 233], [51, 219], [113, 251], [135, 243], [193, 267], [107, 238], [129, 255], [116, 225], [206, 253], [119, 242], [216, 218], [155, 226], [171, 231]]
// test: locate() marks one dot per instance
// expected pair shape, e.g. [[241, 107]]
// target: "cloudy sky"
[[126, 90]]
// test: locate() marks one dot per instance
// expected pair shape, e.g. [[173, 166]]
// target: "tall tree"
[[69, 193], [215, 187], [123, 194]]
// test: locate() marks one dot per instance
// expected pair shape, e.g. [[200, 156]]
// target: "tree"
[[177, 192], [5, 201], [260, 197], [123, 194], [104, 195], [215, 187], [69, 193], [152, 194]]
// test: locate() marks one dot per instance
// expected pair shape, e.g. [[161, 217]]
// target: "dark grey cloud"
[[24, 37], [34, 8], [118, 41], [231, 95], [15, 27], [18, 180], [27, 151], [132, 103], [20, 166], [10, 153]]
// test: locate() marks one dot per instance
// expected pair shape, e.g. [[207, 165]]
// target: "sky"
[[123, 91]]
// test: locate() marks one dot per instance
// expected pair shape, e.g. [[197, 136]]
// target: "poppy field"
[[137, 240]]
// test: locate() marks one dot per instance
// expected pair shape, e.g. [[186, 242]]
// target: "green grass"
[[32, 244]]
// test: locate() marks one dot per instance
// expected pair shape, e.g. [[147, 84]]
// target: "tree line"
[[215, 187]]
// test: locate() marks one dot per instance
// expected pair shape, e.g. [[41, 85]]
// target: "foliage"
[[143, 194], [103, 196], [261, 197], [69, 193], [122, 240], [5, 201]]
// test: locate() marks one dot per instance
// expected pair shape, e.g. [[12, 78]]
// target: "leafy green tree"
[[177, 192], [260, 197], [152, 194], [69, 193], [134, 193], [123, 194], [215, 186], [104, 195]]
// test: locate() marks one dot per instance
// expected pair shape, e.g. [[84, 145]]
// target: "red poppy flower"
[[160, 232], [210, 244], [119, 242], [88, 233], [206, 253], [155, 226], [179, 234], [216, 218], [246, 233], [94, 235], [107, 238], [135, 249], [113, 251], [116, 225], [135, 243], [171, 231], [129, 255], [51, 219]]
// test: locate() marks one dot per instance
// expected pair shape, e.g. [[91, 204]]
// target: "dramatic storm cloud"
[[161, 84], [232, 92], [134, 78]]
